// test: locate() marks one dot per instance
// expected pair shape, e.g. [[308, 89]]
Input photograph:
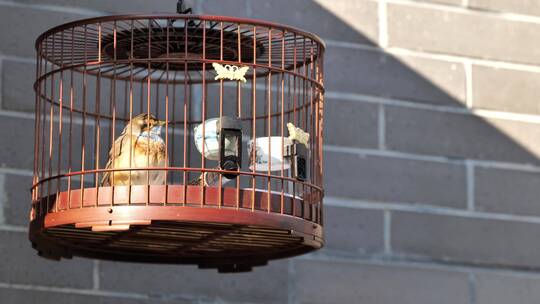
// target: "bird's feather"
[[114, 153], [134, 149]]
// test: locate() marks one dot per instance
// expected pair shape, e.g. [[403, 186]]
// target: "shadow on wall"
[[356, 68], [405, 102]]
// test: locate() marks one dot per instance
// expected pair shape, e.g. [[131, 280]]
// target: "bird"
[[297, 134], [139, 146]]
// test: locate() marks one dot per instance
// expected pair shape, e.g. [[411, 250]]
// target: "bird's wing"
[[115, 152]]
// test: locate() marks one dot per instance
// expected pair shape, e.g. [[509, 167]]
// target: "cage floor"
[[227, 247], [228, 238]]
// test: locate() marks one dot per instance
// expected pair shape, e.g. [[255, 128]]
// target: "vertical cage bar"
[[97, 126], [167, 67], [253, 151], [35, 177], [51, 128], [282, 116], [60, 116], [71, 108], [113, 110], [203, 117], [294, 94], [220, 178], [42, 97], [132, 43], [187, 109], [148, 97], [83, 129], [269, 119], [238, 108]]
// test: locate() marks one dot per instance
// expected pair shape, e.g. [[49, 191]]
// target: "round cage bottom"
[[233, 231]]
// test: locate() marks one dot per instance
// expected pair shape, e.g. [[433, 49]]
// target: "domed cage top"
[[178, 139]]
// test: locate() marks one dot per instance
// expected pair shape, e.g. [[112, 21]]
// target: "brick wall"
[[432, 160]]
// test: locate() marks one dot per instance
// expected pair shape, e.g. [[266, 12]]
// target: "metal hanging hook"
[[181, 8]]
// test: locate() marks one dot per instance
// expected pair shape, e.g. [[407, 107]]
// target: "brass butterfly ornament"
[[298, 134], [230, 72]]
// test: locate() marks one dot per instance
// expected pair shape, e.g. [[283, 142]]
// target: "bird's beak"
[[161, 122]]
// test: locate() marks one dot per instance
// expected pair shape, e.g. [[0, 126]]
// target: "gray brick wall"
[[432, 160]]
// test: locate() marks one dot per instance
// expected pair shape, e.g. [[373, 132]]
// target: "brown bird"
[[139, 146]]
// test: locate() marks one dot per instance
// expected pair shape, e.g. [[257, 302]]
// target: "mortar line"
[[17, 114], [95, 275], [468, 84], [18, 58], [54, 8], [469, 168], [529, 118], [472, 287], [1, 83], [433, 158], [383, 23], [422, 263], [395, 102], [381, 122], [505, 166], [199, 7], [387, 232], [249, 9], [13, 228], [393, 154], [425, 208], [291, 296], [3, 199], [454, 58], [14, 171], [166, 297], [79, 291], [467, 10]]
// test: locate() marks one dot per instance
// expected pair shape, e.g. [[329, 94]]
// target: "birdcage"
[[180, 138]]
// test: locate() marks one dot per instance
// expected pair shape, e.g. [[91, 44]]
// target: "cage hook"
[[181, 8]]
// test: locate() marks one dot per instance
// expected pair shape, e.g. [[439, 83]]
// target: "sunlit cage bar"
[[179, 139]]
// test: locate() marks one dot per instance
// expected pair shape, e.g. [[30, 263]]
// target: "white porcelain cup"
[[262, 162], [211, 140]]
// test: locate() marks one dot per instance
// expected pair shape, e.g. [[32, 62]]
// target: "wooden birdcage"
[[240, 178]]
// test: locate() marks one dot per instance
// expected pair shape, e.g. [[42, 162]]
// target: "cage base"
[[225, 237]]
